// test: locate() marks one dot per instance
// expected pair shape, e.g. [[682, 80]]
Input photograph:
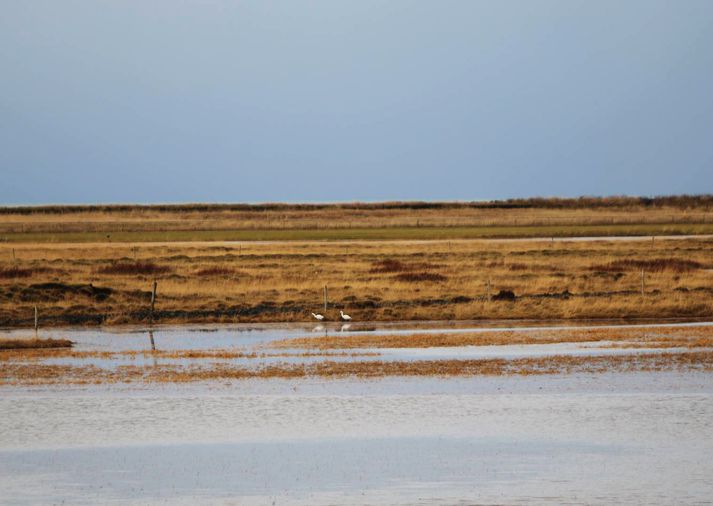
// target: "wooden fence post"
[[325, 299], [642, 282], [153, 302], [488, 289], [36, 322]]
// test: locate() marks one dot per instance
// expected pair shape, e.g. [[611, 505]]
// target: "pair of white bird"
[[344, 317]]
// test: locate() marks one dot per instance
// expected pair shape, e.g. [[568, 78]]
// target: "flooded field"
[[626, 435]]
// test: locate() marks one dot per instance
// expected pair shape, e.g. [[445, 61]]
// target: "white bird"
[[318, 317], [345, 317]]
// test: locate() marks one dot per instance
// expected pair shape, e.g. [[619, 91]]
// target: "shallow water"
[[244, 336], [256, 339], [612, 438], [625, 438]]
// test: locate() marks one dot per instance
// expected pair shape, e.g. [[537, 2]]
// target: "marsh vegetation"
[[90, 265], [372, 281]]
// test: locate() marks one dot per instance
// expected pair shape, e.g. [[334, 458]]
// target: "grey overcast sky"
[[175, 101]]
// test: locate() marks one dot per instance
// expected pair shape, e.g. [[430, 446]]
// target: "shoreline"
[[444, 326]]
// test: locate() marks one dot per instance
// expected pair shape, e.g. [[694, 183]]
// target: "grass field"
[[380, 262]]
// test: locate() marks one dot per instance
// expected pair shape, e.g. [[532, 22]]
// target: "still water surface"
[[570, 439], [612, 438]]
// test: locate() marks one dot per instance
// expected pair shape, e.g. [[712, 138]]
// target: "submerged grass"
[[654, 337], [24, 373], [694, 353]]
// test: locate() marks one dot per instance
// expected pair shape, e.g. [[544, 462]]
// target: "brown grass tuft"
[[387, 266], [15, 272], [652, 265], [130, 268], [391, 266], [215, 271], [414, 277]]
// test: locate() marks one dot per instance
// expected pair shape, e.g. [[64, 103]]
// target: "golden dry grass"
[[259, 282], [108, 282]]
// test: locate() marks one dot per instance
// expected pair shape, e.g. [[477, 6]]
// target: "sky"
[[255, 101]]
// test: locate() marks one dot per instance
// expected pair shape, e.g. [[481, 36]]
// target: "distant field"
[[619, 216], [341, 234]]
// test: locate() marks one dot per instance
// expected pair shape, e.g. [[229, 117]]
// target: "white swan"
[[318, 317], [345, 317]]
